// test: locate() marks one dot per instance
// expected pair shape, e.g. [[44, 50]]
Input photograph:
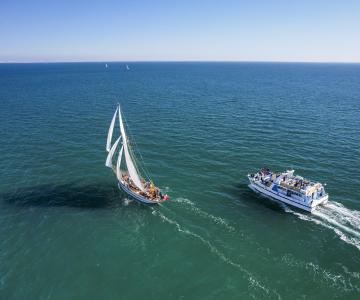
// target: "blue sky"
[[142, 30]]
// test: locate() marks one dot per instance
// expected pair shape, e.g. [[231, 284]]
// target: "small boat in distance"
[[127, 67], [287, 188], [106, 66], [129, 180]]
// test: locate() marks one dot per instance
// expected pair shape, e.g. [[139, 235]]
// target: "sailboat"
[[129, 179], [127, 67]]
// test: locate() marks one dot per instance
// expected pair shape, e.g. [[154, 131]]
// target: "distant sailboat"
[[127, 68], [129, 180], [106, 66]]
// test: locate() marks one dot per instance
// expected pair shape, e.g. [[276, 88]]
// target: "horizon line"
[[179, 61]]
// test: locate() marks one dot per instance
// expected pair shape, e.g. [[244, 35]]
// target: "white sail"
[[129, 163], [118, 171], [110, 133], [108, 162]]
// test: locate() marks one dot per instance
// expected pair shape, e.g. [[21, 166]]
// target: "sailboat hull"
[[136, 196]]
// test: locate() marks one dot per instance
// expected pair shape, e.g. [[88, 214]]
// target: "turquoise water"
[[67, 232]]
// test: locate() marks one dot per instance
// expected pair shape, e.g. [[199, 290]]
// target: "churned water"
[[67, 232]]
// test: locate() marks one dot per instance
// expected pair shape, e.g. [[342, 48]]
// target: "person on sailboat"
[[152, 190]]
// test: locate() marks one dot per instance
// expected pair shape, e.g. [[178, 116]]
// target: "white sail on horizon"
[[129, 163], [110, 133], [108, 162]]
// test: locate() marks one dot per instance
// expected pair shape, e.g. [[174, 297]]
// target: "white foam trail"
[[338, 206], [345, 233], [204, 214], [349, 240], [336, 280], [343, 214], [252, 280], [355, 275], [127, 201], [184, 200], [335, 223]]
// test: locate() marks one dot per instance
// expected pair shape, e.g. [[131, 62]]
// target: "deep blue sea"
[[67, 232]]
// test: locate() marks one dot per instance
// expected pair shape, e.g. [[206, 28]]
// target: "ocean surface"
[[67, 232]]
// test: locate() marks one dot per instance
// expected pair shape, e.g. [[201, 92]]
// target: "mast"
[[129, 163]]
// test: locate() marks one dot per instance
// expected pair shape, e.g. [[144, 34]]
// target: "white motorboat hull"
[[287, 200]]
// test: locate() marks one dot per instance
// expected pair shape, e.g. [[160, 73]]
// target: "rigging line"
[[142, 166], [136, 148]]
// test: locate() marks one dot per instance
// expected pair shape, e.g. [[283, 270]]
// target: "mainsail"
[[110, 133], [129, 163], [108, 162], [118, 171]]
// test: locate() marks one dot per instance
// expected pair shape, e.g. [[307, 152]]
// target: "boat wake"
[[127, 201], [253, 282], [198, 211], [335, 279], [335, 216], [345, 215]]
